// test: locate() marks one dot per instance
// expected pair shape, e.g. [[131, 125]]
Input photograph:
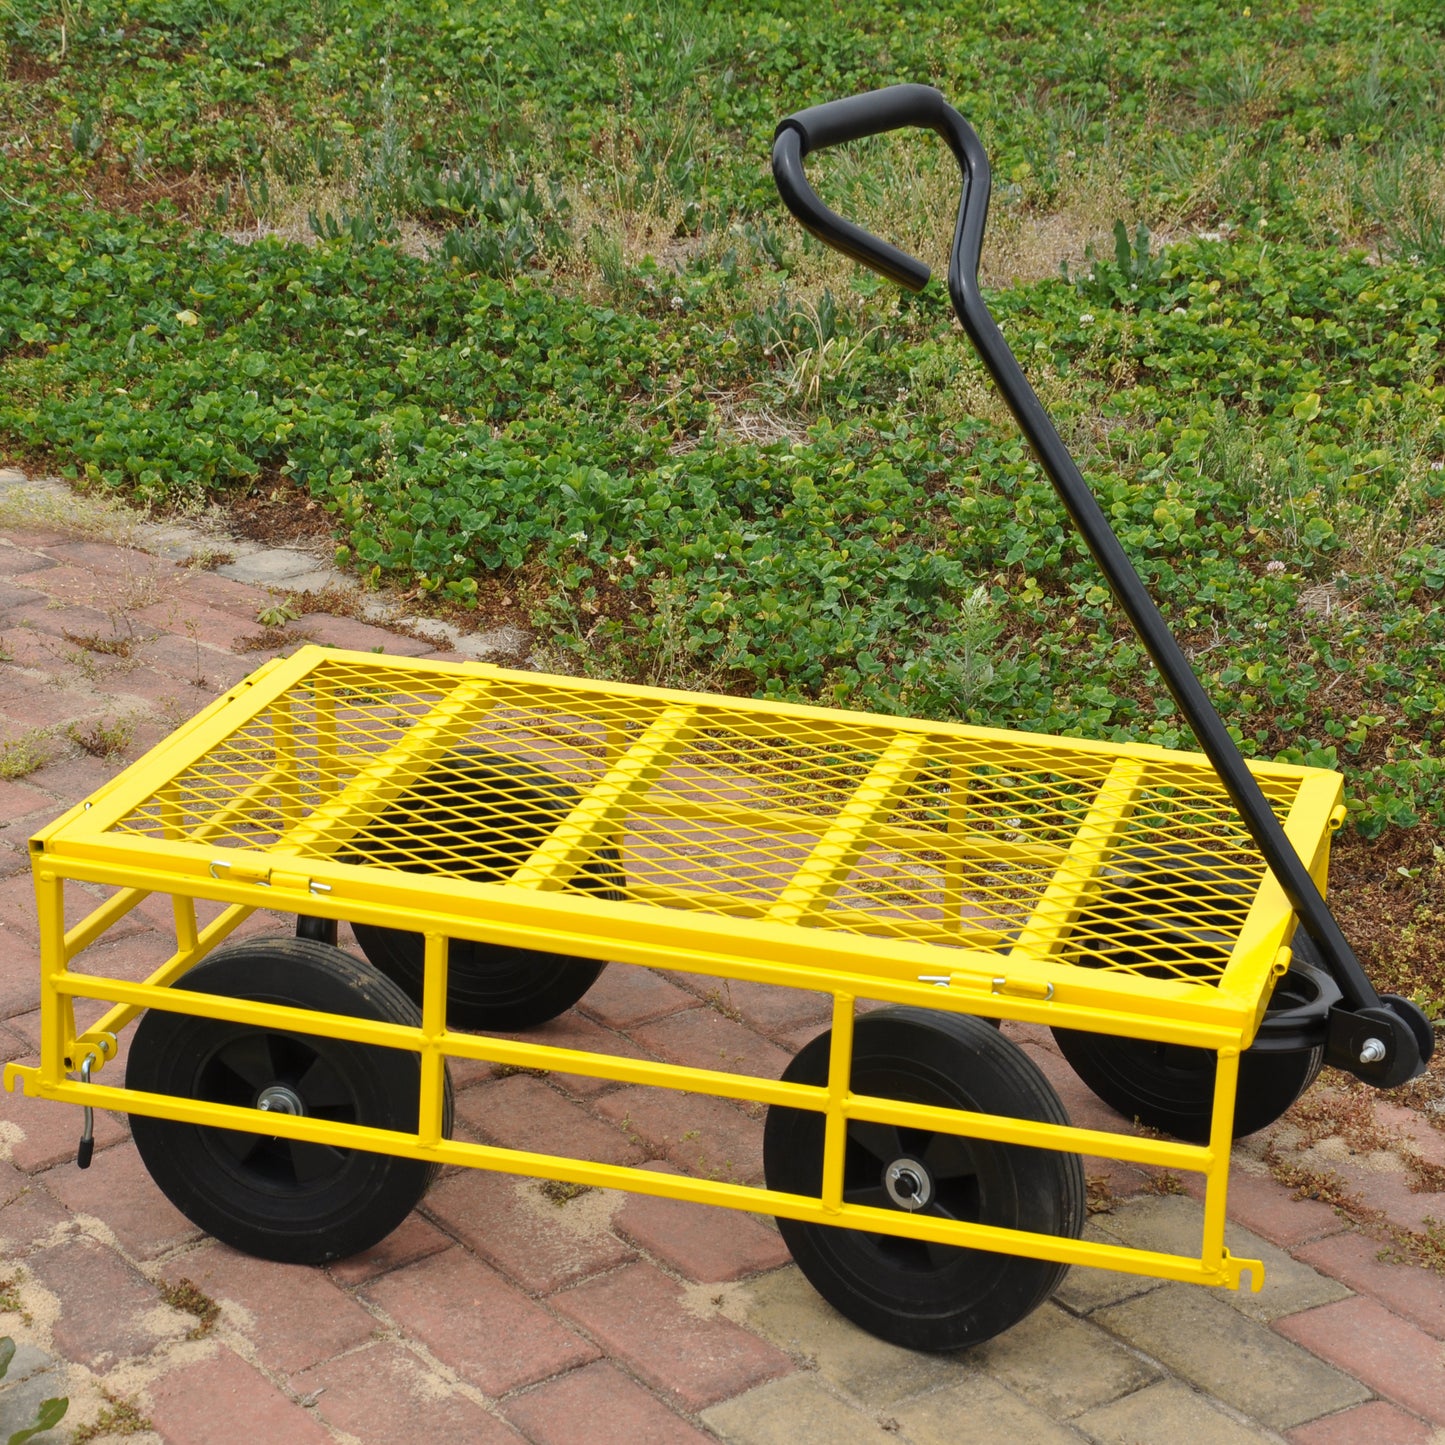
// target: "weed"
[[561, 1191], [10, 1302], [117, 1416], [115, 646], [103, 740], [268, 639], [1162, 1181], [507, 1071], [721, 1001], [23, 755], [276, 615], [208, 559], [189, 1299]]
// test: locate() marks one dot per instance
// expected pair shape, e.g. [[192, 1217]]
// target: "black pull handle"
[[857, 116], [874, 112], [920, 105]]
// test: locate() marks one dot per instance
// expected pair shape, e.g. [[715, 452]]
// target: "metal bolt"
[[1373, 1051]]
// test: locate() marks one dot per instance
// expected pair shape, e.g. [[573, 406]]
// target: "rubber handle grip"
[[832, 123], [872, 113], [84, 1154]]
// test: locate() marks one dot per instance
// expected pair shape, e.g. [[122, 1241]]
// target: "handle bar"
[[878, 111]]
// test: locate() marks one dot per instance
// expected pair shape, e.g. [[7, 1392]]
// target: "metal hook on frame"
[[87, 1131]]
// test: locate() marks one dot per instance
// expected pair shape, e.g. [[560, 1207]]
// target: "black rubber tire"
[[1169, 1086], [273, 1198], [917, 1295], [489, 986]]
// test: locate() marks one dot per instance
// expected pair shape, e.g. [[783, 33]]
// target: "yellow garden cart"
[[492, 837]]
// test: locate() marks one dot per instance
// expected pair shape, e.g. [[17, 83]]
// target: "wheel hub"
[[909, 1184], [278, 1099]]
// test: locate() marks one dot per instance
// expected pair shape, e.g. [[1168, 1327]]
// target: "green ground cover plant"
[[511, 295]]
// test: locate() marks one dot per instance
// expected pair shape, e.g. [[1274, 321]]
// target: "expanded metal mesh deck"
[[1122, 858]]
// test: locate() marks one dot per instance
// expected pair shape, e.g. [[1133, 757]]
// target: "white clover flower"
[[578, 537], [1087, 319], [678, 303], [1275, 566]]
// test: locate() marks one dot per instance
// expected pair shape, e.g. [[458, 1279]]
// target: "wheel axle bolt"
[[1373, 1051], [906, 1181]]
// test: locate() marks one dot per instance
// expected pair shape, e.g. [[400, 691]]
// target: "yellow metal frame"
[[790, 942]]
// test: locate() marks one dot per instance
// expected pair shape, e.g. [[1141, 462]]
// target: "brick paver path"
[[495, 1314]]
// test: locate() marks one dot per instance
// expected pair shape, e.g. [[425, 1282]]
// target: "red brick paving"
[[293, 1316], [29, 1214], [206, 625], [643, 1319], [706, 1038], [27, 648], [51, 1131], [19, 978], [1410, 1291], [15, 563], [1376, 1422], [573, 1031], [52, 623], [71, 777], [477, 1324], [623, 996], [413, 1239], [699, 1241], [224, 1398], [1390, 1355], [616, 1411], [523, 1112], [223, 593], [534, 1241], [772, 1011], [701, 1135], [133, 958], [384, 1394], [1260, 1204], [12, 1046], [17, 800], [105, 1304], [117, 1191], [358, 636]]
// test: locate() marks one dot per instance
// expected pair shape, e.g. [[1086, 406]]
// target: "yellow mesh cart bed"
[[494, 838]]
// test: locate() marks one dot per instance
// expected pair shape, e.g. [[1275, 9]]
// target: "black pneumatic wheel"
[[479, 815], [489, 986], [911, 1293], [1171, 1086], [293, 1202]]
